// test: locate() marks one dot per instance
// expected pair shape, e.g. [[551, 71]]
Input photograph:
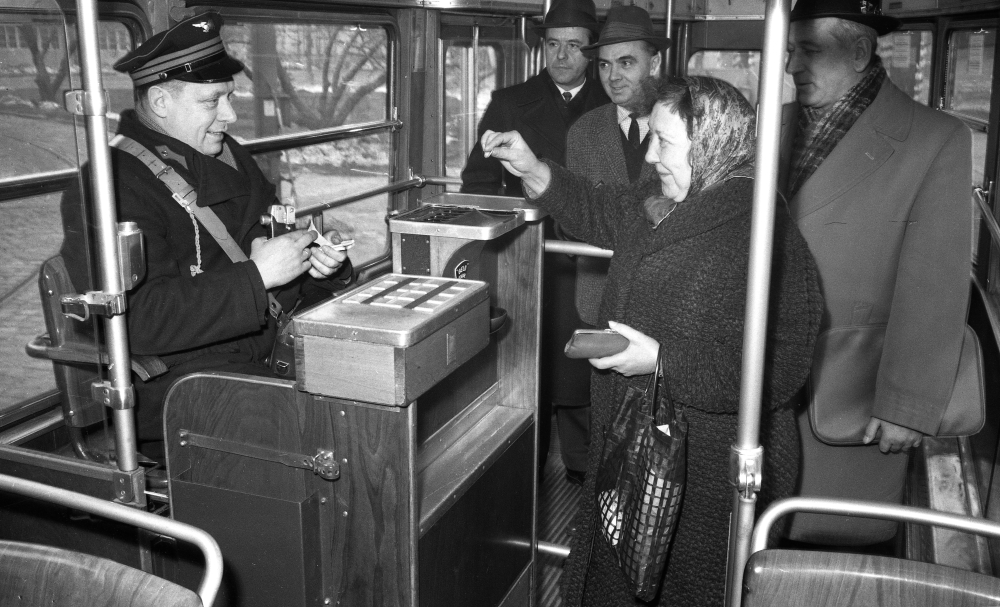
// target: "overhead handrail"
[[208, 588], [13, 188], [866, 509]]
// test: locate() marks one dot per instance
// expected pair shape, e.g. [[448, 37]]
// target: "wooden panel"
[[258, 412], [519, 279], [368, 531], [346, 369], [777, 578]]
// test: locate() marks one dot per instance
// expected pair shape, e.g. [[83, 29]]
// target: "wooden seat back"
[[778, 578], [34, 575]]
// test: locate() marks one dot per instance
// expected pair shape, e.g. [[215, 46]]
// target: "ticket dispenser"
[[398, 467]]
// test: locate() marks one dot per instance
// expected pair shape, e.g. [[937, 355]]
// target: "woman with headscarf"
[[678, 282]]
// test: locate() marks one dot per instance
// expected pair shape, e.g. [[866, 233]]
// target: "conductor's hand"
[[639, 358], [326, 260], [515, 155], [282, 258], [893, 438]]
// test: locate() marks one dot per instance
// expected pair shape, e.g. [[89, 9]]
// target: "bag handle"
[[653, 384]]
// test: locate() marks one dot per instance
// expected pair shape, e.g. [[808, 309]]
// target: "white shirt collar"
[[625, 121], [572, 91]]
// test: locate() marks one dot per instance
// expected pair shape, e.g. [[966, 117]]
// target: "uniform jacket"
[[887, 216], [532, 109], [594, 150], [220, 313], [684, 284]]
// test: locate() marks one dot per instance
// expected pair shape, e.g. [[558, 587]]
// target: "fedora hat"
[[629, 24], [859, 11], [571, 13]]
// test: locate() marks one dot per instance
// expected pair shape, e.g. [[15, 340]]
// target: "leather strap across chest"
[[185, 195]]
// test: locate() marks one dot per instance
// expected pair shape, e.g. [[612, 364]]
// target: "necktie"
[[567, 96], [633, 131]]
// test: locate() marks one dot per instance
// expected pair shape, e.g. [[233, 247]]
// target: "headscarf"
[[721, 126], [722, 130]]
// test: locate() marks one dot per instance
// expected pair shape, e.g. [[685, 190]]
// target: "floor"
[[557, 505]]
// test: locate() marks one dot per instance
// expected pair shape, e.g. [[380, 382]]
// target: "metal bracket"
[[80, 307], [111, 397], [124, 491], [82, 103], [745, 469], [322, 464]]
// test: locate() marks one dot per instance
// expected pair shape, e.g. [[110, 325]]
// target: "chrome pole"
[[105, 215], [668, 54], [747, 456]]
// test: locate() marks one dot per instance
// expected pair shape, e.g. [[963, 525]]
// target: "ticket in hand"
[[325, 242]]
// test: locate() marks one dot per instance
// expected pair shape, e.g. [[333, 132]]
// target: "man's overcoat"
[[887, 216]]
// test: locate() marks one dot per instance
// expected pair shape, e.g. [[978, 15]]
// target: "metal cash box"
[[389, 341]]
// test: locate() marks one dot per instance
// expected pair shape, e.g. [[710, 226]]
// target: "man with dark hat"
[[879, 186], [608, 144], [542, 110], [213, 282]]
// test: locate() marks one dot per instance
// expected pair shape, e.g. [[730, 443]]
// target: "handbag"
[[842, 386], [640, 482]]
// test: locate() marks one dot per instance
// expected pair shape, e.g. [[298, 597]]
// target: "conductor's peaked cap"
[[191, 51]]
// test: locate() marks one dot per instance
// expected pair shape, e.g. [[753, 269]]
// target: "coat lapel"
[[610, 135], [542, 124], [865, 147]]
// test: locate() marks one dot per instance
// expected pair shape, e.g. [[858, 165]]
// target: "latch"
[[280, 218], [322, 464], [81, 307], [745, 470]]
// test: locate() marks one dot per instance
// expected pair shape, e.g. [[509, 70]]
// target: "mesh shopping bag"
[[640, 481]]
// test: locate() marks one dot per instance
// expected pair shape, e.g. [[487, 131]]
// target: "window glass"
[[37, 135], [907, 55], [321, 173], [466, 98], [739, 68], [969, 86], [312, 76]]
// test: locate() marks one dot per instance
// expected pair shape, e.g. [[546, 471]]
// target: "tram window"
[[312, 76], [320, 173], [466, 98], [906, 55], [969, 86], [739, 68]]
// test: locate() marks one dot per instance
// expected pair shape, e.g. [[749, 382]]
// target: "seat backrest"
[[34, 575], [778, 578]]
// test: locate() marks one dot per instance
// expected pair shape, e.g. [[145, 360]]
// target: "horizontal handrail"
[[442, 180], [12, 188], [864, 509], [32, 428], [277, 143], [577, 248], [209, 586], [413, 182]]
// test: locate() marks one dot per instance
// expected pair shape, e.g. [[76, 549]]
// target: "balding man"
[[879, 186]]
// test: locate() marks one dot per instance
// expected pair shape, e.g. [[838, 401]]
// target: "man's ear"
[[862, 54], [157, 99], [654, 65]]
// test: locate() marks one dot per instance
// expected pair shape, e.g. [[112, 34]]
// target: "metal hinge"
[[322, 464], [81, 307], [745, 469]]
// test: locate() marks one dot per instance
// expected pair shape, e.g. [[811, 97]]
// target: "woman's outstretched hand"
[[639, 358], [515, 155]]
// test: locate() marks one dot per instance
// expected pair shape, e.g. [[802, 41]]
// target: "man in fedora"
[[197, 308], [608, 144], [542, 110], [879, 186]]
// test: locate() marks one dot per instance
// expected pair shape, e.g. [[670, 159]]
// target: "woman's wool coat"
[[684, 284]]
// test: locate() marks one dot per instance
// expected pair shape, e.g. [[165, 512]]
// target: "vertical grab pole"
[[122, 398], [746, 455]]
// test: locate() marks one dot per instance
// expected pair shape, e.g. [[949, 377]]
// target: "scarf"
[[819, 133]]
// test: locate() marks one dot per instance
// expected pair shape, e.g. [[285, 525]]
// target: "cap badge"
[[206, 26]]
